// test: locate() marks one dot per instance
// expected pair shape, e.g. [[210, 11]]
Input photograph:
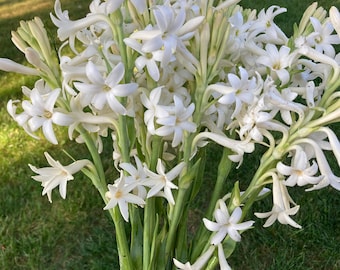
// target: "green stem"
[[149, 210], [224, 168], [123, 138], [149, 221], [100, 184], [122, 243], [174, 221], [202, 234]]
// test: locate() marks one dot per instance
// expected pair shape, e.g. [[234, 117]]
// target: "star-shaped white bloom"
[[56, 175], [69, 29], [137, 176], [168, 34], [278, 60], [146, 59], [300, 172], [40, 110], [264, 28], [119, 193], [322, 38], [178, 121], [104, 90], [154, 108], [329, 178], [243, 90], [160, 183], [226, 224]]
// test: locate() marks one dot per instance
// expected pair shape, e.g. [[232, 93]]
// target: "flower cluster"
[[160, 81]]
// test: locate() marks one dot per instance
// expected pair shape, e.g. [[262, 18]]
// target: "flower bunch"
[[160, 80]]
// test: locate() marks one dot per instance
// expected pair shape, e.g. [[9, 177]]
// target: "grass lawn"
[[77, 234]]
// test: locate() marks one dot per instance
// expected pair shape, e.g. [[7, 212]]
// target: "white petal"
[[116, 75], [93, 74], [124, 90], [11, 66], [210, 225], [190, 25], [221, 258], [47, 129]]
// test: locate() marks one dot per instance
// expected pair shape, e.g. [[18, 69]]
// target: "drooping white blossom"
[[300, 172], [282, 209], [56, 175]]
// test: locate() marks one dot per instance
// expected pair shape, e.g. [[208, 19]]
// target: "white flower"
[[161, 182], [178, 121], [56, 175], [68, 28], [119, 193], [281, 210], [148, 59], [40, 110], [104, 90], [266, 27], [137, 176], [300, 172], [283, 102], [222, 259], [169, 33], [154, 109], [239, 147], [277, 61], [322, 39], [329, 178], [243, 90], [199, 263], [226, 224]]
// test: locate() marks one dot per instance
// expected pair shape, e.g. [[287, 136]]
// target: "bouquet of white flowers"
[[161, 80]]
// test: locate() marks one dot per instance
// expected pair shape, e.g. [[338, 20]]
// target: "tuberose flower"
[[300, 172], [226, 224], [281, 210], [160, 183], [56, 175], [104, 90], [119, 193]]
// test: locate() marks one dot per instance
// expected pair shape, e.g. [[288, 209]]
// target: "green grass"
[[77, 234]]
